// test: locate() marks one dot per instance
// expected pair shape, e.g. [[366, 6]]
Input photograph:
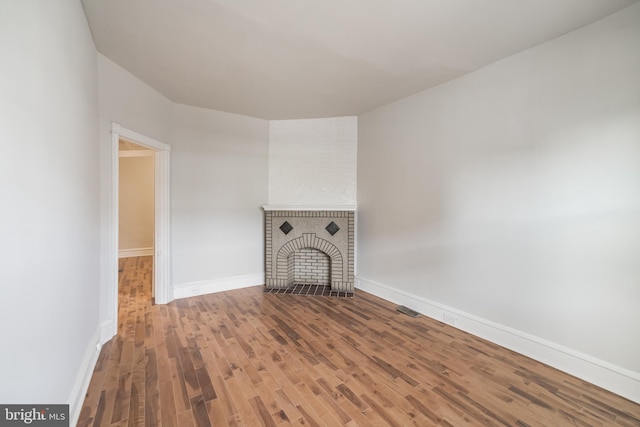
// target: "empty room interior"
[[321, 213]]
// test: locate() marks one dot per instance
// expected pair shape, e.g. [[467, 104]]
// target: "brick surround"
[[310, 247]]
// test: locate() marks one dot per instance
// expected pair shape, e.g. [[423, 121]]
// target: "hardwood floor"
[[247, 358]]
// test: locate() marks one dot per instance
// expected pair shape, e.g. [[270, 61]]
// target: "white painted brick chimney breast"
[[313, 161]]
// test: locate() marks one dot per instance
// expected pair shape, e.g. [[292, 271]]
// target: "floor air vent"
[[407, 311]]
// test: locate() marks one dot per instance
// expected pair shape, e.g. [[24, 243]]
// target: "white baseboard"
[[129, 253], [616, 379], [83, 378], [204, 287], [107, 331]]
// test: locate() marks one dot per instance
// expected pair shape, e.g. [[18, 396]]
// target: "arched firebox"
[[310, 259]]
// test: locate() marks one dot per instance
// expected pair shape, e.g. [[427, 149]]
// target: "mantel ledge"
[[309, 208]]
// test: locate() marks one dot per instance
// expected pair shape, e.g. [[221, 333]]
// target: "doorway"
[[162, 291]]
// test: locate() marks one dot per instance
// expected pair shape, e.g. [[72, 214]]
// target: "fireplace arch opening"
[[309, 251]]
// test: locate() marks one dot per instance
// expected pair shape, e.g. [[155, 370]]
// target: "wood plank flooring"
[[249, 358]]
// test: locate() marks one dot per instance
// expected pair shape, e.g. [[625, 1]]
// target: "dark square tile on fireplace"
[[332, 228], [286, 227]]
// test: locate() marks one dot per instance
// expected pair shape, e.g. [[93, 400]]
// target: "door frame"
[[162, 289]]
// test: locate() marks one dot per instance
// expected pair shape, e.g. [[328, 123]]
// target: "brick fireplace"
[[310, 246]]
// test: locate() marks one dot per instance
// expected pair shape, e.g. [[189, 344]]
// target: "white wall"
[[129, 101], [49, 220], [513, 194], [136, 202], [218, 185], [313, 161]]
